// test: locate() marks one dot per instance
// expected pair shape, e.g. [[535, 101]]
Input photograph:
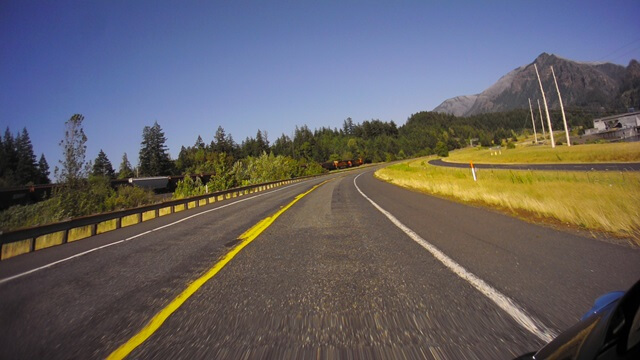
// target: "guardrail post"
[[118, 223], [65, 236], [32, 246], [156, 213], [93, 228]]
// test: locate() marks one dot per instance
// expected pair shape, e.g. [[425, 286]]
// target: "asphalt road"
[[554, 167], [331, 277]]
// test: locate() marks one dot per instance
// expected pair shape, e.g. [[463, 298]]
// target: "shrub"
[[127, 197], [89, 197], [441, 149], [389, 157], [188, 187], [425, 152]]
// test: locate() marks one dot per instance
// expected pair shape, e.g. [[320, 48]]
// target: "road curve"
[[546, 167], [332, 276]]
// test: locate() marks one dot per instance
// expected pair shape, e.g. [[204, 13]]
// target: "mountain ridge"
[[595, 85]]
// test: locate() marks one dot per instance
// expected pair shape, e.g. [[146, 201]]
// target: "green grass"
[[596, 201], [588, 153]]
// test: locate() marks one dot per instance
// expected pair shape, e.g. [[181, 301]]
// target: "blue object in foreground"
[[602, 302]]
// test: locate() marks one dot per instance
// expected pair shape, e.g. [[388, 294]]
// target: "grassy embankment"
[[588, 153], [596, 201]]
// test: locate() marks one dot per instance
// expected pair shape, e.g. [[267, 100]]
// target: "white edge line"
[[505, 303], [2, 281]]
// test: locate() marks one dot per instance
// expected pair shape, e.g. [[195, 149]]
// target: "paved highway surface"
[[357, 268], [555, 167]]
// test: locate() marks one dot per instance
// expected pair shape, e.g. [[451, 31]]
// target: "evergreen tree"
[[199, 143], [348, 127], [102, 166], [9, 159], [283, 146], [154, 156], [3, 159], [262, 143], [26, 171], [222, 142], [125, 171], [43, 171], [73, 151]]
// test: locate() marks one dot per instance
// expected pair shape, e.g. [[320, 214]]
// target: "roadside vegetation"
[[252, 170], [94, 196], [85, 187], [85, 190], [595, 201], [521, 154]]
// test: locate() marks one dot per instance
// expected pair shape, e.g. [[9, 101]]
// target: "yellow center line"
[[157, 321]]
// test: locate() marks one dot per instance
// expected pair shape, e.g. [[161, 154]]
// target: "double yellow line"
[[246, 238]]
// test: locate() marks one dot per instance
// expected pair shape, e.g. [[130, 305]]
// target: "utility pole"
[[546, 108], [533, 122], [564, 119], [544, 135]]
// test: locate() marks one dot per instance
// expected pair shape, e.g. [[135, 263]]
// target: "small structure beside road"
[[625, 127]]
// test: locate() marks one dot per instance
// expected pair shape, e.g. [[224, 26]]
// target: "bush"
[[425, 152], [389, 157], [127, 197], [87, 198], [313, 168], [511, 145], [188, 187], [441, 149]]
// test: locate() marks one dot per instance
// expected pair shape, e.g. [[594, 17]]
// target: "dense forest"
[[85, 186], [424, 133]]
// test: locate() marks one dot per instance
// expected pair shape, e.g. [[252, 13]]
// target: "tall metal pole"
[[546, 109], [533, 122], [564, 119], [544, 135]]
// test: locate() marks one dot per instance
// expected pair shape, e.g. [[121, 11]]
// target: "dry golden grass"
[[600, 201], [611, 152]]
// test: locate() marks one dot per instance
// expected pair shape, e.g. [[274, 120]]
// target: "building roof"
[[614, 117]]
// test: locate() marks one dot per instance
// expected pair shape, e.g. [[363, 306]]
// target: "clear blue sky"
[[272, 65]]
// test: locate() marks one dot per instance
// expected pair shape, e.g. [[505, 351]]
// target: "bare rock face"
[[588, 85], [457, 106]]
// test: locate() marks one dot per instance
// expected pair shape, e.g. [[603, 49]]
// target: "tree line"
[[86, 189], [18, 165], [424, 133]]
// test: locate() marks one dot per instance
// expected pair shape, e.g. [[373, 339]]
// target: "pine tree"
[[262, 143], [73, 151], [221, 142], [199, 143], [3, 161], [9, 160], [102, 166], [26, 171], [154, 156], [125, 171], [43, 171]]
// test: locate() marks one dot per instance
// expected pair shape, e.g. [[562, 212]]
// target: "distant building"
[[617, 127]]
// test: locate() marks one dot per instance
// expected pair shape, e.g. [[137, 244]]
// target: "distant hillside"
[[582, 85]]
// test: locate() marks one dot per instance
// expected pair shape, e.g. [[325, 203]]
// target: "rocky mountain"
[[585, 85]]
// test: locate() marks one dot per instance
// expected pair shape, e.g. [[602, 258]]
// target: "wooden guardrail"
[[39, 237]]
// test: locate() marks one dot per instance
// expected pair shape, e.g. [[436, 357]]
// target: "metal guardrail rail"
[[28, 239]]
